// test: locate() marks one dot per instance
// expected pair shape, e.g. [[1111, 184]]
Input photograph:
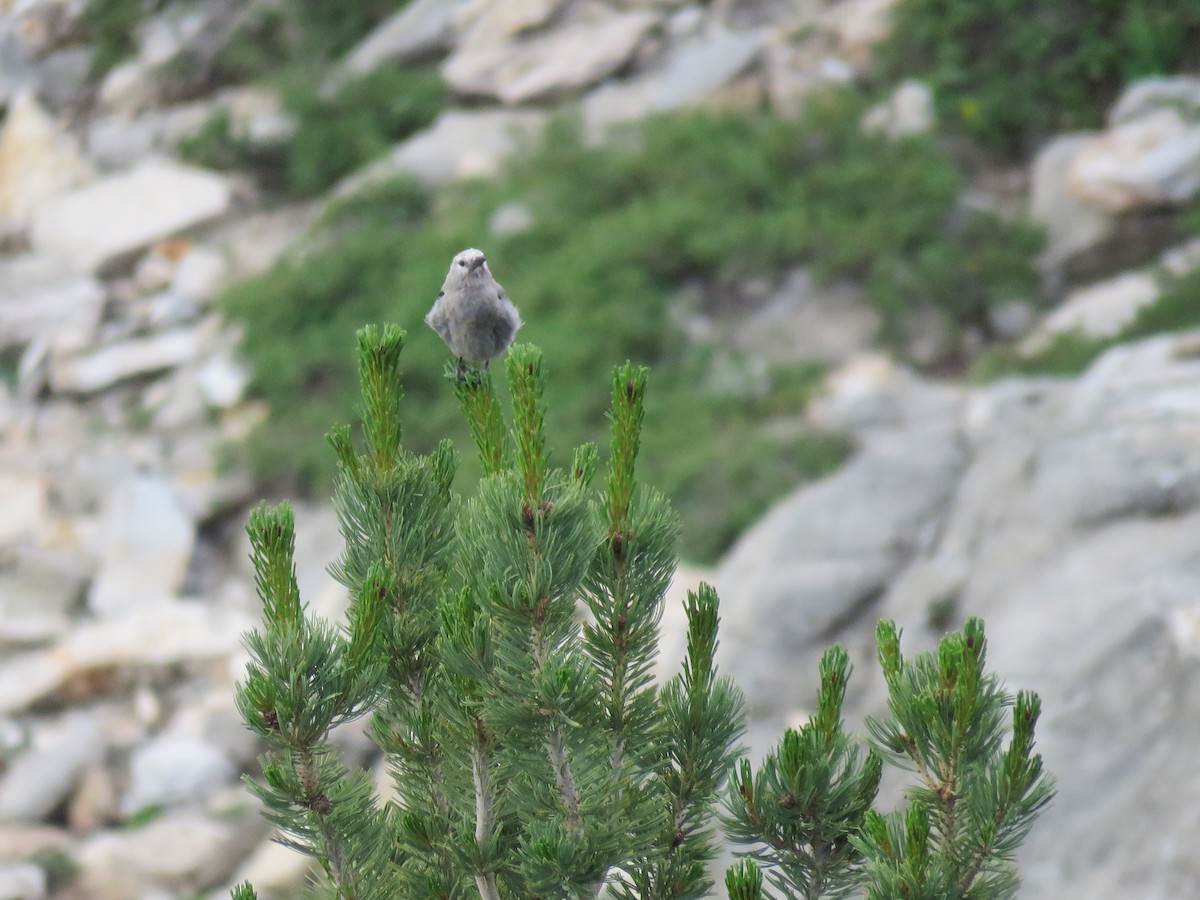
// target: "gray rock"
[[40, 586], [103, 223], [1098, 310], [161, 635], [117, 141], [173, 770], [178, 854], [38, 780], [1072, 226], [39, 159], [510, 219], [100, 369], [202, 271], [23, 881], [148, 537], [466, 144], [690, 72], [1179, 92], [909, 110], [549, 65], [422, 29], [482, 23], [1144, 162], [39, 301], [821, 558], [805, 320]]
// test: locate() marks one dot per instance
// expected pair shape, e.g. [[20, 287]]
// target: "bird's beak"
[[479, 262]]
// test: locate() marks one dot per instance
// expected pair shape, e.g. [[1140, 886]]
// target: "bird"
[[472, 314]]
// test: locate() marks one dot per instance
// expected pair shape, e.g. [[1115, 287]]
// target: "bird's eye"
[[462, 262]]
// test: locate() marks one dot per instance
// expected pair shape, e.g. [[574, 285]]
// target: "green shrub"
[[1012, 72], [615, 233]]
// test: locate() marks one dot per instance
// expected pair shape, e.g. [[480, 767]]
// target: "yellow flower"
[[968, 108]]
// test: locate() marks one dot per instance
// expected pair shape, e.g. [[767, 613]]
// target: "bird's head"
[[467, 262]]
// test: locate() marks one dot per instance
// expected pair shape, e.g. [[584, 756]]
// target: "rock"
[[909, 110], [16, 67], [20, 842], [25, 881], [172, 770], [794, 74], [1073, 533], [94, 803], [37, 781], [153, 636], [820, 558], [1148, 161], [23, 512], [689, 72], [88, 373], [201, 273], [99, 225], [422, 29], [1072, 226], [1182, 259], [39, 301], [858, 26], [148, 541], [469, 144], [181, 853], [128, 88], [274, 870], [118, 141], [510, 219], [1098, 310], [39, 588], [1011, 319], [38, 160], [252, 244], [805, 320], [223, 380], [1148, 95], [552, 65], [63, 77], [482, 23]]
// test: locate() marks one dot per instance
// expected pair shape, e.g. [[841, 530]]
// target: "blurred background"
[[918, 282]]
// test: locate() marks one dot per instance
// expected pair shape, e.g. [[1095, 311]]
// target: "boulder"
[[1149, 161], [550, 65], [460, 144], [87, 660], [1072, 226], [1099, 310], [99, 369], [39, 301], [689, 72], [38, 780], [148, 538], [38, 160], [421, 29], [172, 770], [106, 222], [909, 110]]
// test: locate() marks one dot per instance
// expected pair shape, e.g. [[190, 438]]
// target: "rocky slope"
[[1063, 511]]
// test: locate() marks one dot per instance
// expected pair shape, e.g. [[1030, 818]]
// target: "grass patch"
[[1070, 353], [1013, 72], [716, 197]]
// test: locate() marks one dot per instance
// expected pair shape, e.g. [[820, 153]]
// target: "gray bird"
[[472, 314]]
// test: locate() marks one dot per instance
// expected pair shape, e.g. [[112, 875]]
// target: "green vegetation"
[[333, 136], [534, 754], [1013, 72], [616, 231], [1177, 309]]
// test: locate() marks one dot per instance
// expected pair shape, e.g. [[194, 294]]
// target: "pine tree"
[[503, 646]]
